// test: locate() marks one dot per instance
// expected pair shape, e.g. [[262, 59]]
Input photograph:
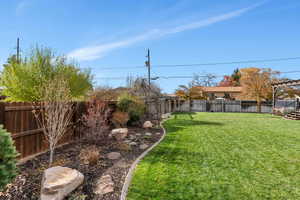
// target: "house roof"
[[222, 89]]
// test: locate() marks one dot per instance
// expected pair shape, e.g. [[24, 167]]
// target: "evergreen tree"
[[8, 160]]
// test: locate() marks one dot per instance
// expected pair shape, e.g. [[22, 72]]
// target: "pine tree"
[[8, 161]]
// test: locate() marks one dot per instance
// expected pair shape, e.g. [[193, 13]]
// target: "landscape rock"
[[121, 164], [113, 155], [132, 137], [127, 141], [144, 146], [148, 134], [119, 133], [147, 124], [58, 182], [158, 133], [132, 143], [138, 134], [104, 185], [165, 116]]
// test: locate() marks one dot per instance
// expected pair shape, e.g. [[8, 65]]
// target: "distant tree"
[[256, 84], [235, 77], [106, 93], [231, 81], [205, 80], [22, 79], [140, 87], [190, 93], [226, 82]]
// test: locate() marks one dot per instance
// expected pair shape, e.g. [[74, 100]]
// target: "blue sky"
[[116, 34]]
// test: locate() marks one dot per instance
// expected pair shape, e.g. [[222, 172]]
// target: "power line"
[[203, 64], [180, 77]]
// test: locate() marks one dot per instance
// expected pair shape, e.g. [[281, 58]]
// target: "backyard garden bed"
[[27, 184]]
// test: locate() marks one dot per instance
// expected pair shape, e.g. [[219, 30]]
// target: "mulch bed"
[[27, 184]]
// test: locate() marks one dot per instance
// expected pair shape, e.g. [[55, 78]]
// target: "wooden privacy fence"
[[19, 120]]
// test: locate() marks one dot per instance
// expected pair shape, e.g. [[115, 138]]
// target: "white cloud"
[[98, 51]]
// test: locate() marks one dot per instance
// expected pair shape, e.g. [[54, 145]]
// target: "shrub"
[[120, 118], [132, 105], [8, 160], [89, 156], [22, 79], [96, 121]]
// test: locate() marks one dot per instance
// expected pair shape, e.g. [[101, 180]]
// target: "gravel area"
[[28, 183]]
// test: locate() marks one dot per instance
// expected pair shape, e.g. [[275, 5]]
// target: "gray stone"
[[165, 116], [113, 155], [119, 133], [58, 182], [144, 146], [138, 134], [147, 124], [127, 141], [104, 185], [132, 143], [158, 133], [121, 164], [132, 137], [148, 134]]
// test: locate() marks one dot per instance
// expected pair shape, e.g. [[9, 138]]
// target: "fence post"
[[240, 106], [2, 114]]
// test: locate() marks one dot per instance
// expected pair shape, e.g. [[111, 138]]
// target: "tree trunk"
[[51, 156], [259, 106]]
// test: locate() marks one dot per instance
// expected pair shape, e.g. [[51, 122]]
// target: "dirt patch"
[[27, 184]]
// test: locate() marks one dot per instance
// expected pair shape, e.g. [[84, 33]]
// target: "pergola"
[[283, 84]]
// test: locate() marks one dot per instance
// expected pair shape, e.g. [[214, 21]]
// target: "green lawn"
[[222, 156]]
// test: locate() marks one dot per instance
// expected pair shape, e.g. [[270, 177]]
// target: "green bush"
[[23, 80], [8, 159], [132, 105]]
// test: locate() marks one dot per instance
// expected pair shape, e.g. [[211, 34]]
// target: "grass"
[[222, 156]]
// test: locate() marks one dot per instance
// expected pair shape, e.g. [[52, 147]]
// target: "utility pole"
[[148, 65], [18, 50]]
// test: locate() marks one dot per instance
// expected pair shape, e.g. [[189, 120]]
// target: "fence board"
[[18, 119]]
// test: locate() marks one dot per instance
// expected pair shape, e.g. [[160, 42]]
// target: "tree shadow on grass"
[[180, 124], [178, 114], [176, 156]]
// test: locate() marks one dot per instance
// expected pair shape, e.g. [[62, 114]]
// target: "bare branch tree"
[[55, 112], [205, 79]]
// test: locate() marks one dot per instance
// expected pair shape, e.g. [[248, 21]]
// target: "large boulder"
[[58, 182], [119, 133], [147, 124]]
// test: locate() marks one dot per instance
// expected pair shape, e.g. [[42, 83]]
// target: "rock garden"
[[93, 171]]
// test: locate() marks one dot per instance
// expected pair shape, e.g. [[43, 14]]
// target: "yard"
[[222, 156]]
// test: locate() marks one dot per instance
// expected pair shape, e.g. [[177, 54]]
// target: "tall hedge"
[[8, 161]]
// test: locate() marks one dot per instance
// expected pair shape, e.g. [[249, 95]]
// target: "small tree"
[[55, 112], [256, 84], [8, 160], [189, 93]]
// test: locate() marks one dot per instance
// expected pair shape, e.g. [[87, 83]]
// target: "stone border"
[[136, 162]]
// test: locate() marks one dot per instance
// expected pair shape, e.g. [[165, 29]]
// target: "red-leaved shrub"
[[96, 121]]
